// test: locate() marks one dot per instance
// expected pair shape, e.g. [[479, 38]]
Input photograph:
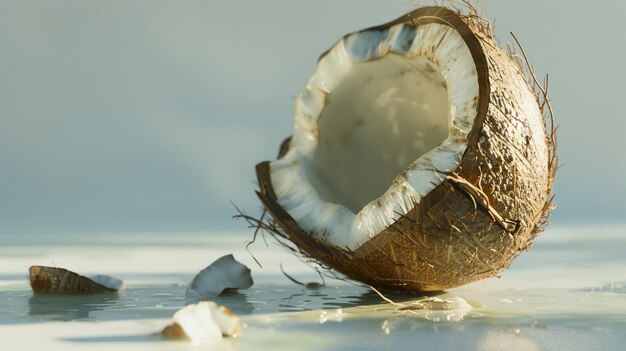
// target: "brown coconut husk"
[[53, 280], [484, 214]]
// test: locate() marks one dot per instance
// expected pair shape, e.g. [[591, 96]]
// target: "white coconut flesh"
[[382, 121]]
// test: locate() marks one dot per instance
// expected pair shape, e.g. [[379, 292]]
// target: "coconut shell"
[[203, 322], [489, 209], [53, 280], [225, 273]]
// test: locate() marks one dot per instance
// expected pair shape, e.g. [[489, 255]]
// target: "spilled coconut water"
[[568, 293], [420, 158]]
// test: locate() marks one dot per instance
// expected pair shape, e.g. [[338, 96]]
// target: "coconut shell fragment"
[[53, 280], [440, 224], [205, 322], [225, 273], [175, 332]]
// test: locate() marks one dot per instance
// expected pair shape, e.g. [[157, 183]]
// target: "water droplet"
[[323, 318], [339, 315]]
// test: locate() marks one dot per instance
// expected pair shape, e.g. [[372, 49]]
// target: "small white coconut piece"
[[225, 273], [203, 322]]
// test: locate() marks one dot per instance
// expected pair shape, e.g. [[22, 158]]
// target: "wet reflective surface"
[[567, 292]]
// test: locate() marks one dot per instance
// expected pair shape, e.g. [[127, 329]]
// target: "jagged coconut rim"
[[450, 45]]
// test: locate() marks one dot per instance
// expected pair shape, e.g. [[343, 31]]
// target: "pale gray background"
[[150, 115]]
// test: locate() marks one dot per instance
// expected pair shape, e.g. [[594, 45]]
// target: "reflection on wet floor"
[[160, 301], [535, 304], [613, 287], [54, 307], [333, 302]]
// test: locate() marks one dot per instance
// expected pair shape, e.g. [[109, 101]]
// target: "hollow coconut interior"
[[383, 119]]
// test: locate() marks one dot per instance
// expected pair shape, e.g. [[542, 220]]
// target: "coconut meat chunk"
[[382, 121]]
